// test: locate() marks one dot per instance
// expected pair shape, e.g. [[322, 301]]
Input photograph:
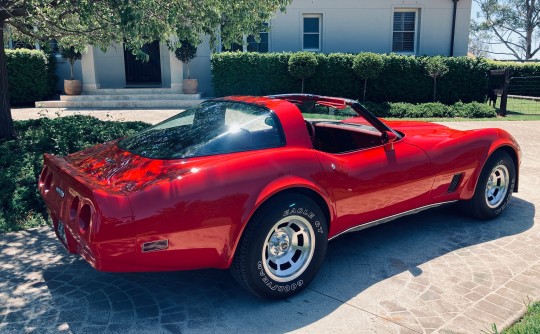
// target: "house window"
[[262, 45], [404, 31], [312, 32], [234, 47], [249, 43]]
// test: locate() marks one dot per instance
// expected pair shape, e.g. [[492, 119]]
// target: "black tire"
[[491, 196], [282, 247]]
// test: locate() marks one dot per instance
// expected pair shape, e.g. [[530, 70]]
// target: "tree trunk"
[[365, 87], [434, 89], [530, 5], [6, 122], [302, 86]]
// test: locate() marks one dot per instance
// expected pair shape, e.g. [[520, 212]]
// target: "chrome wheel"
[[497, 186], [288, 248]]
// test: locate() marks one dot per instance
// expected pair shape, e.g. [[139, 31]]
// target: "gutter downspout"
[[453, 28]]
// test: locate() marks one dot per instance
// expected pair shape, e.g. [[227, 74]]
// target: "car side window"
[[245, 128]]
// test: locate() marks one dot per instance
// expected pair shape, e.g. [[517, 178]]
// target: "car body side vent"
[[456, 179]]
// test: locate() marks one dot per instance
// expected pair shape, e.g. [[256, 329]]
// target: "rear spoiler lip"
[[61, 163]]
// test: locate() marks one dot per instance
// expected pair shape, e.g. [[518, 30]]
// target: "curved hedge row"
[[403, 78], [28, 76]]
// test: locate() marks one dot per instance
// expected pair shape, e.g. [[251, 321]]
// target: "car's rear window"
[[213, 127]]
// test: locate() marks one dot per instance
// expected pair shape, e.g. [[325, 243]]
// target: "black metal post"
[[453, 28], [504, 95]]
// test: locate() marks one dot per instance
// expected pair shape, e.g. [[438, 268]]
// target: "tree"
[[303, 65], [71, 55], [77, 23], [435, 67], [514, 23], [185, 53], [477, 43], [366, 66]]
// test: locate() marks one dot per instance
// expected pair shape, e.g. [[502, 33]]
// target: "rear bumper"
[[79, 217]]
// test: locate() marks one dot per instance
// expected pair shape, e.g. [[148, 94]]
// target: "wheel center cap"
[[279, 243]]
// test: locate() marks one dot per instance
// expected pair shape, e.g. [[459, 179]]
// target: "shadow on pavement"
[[76, 298]]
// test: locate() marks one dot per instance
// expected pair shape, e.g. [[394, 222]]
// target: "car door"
[[376, 182]]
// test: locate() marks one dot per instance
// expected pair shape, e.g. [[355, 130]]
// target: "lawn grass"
[[522, 110], [529, 324]]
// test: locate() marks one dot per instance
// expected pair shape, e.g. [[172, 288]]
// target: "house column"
[[90, 78], [177, 73]]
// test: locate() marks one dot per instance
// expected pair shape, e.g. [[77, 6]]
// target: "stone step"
[[129, 91], [130, 97], [120, 104]]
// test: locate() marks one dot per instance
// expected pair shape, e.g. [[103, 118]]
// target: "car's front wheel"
[[494, 188], [282, 248]]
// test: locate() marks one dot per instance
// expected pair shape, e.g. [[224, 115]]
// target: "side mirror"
[[388, 138]]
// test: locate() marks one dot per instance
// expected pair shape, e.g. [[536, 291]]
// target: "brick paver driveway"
[[436, 271]]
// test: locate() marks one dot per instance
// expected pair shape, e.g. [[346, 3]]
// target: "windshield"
[[213, 127]]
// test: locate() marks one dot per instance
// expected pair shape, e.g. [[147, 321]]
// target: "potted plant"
[[185, 53], [71, 87]]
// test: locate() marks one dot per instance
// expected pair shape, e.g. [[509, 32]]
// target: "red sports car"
[[255, 185]]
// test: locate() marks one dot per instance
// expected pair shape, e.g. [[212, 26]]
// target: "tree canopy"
[[137, 22], [513, 23], [100, 23]]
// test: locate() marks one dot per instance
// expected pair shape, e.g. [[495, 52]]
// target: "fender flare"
[[274, 188]]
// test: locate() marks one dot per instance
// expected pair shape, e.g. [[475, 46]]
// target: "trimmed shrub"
[[28, 76], [431, 110], [434, 109], [402, 110], [435, 68], [250, 73], [474, 110], [185, 53], [402, 78], [302, 65], [367, 66], [21, 161]]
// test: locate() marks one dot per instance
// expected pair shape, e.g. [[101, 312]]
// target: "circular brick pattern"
[[437, 271]]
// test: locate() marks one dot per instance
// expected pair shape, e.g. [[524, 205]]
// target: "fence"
[[524, 95]]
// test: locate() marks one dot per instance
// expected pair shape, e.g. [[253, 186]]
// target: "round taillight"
[[48, 182], [73, 209], [85, 217]]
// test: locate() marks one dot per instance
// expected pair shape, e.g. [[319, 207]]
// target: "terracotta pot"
[[73, 87], [190, 86]]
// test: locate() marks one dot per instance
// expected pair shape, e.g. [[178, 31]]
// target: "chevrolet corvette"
[[259, 185]]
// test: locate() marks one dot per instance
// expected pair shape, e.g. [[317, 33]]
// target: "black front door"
[[143, 73]]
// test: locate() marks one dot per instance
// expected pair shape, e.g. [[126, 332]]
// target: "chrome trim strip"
[[389, 218]]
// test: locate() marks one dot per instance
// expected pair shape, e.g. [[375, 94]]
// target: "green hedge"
[[431, 110], [21, 161], [28, 76], [403, 78], [518, 70]]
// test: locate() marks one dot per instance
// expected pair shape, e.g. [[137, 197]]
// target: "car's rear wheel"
[[494, 188], [282, 248]]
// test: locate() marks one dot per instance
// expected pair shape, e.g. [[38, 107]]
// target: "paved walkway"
[[433, 272]]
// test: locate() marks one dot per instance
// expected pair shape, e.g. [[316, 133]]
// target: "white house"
[[415, 27]]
